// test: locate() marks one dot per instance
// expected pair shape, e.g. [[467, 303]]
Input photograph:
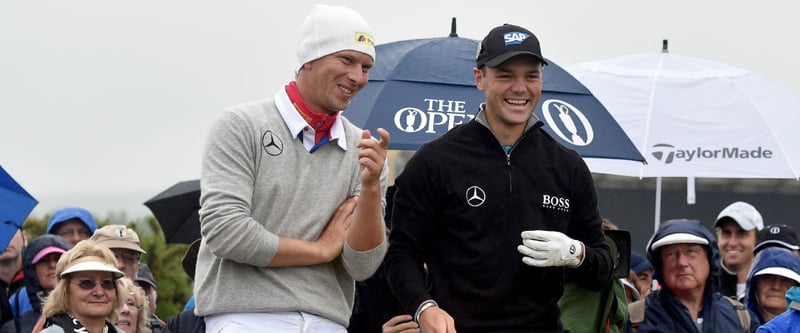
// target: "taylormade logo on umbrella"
[[667, 153], [438, 117]]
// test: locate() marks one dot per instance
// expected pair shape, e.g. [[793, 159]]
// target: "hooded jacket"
[[768, 257], [789, 321], [665, 313], [26, 303]]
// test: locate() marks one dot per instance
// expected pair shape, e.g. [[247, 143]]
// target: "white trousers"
[[273, 322]]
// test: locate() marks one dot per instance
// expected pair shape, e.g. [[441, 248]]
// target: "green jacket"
[[585, 311]]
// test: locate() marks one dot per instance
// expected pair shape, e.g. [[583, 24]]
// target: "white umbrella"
[[696, 118]]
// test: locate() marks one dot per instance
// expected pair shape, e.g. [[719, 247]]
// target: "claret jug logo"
[[437, 116], [668, 154], [567, 122]]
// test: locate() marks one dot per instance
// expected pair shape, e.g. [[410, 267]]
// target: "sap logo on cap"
[[515, 38], [364, 38]]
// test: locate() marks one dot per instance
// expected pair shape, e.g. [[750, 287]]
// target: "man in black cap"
[[496, 209], [778, 235], [145, 279]]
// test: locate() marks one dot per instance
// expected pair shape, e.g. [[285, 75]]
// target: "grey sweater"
[[258, 183]]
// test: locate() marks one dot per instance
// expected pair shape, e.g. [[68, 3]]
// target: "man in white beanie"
[[292, 193], [737, 230]]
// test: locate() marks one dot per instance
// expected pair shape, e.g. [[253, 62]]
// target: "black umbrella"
[[176, 210]]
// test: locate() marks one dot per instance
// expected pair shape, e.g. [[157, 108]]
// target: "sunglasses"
[[89, 284]]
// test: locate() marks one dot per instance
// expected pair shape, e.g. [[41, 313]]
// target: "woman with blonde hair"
[[88, 293], [132, 316]]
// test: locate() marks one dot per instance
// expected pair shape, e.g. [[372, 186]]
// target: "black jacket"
[[461, 206], [185, 322], [727, 283]]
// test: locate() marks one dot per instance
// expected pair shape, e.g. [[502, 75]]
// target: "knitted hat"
[[330, 29]]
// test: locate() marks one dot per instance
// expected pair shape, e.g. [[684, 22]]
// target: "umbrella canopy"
[[176, 210], [15, 205], [421, 88], [696, 118]]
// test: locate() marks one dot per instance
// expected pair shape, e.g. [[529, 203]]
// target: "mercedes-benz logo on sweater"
[[273, 145]]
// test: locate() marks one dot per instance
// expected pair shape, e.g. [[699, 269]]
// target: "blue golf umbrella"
[[420, 88], [15, 205]]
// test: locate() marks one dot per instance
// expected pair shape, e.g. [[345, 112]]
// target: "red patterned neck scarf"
[[321, 122]]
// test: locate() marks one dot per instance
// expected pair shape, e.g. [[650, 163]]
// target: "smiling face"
[[328, 84], [95, 303], [736, 245], [512, 91], [129, 315]]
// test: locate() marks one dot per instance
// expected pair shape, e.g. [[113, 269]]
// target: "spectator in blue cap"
[[644, 273], [72, 223]]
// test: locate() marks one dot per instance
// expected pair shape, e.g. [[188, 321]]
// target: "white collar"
[[297, 124]]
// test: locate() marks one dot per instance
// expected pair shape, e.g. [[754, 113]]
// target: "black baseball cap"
[[506, 41], [780, 235]]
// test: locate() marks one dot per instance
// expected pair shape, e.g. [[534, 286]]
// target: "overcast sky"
[[106, 96]]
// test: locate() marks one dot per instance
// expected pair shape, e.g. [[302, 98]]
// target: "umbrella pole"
[[658, 204]]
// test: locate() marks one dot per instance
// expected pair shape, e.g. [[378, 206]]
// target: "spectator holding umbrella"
[[11, 273]]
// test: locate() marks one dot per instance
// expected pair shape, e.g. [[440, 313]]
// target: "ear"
[[478, 78]]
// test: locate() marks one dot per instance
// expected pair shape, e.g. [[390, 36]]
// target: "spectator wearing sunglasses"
[[88, 294], [124, 243], [39, 266]]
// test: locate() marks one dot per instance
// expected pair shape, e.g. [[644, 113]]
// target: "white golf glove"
[[543, 248]]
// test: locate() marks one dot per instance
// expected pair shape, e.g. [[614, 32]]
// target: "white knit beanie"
[[330, 29]]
